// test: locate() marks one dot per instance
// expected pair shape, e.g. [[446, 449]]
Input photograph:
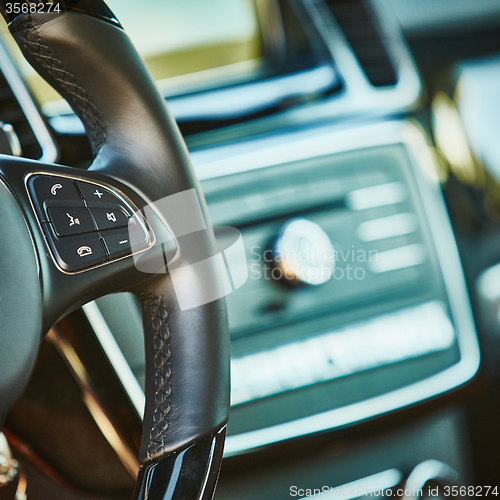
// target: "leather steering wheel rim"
[[90, 61]]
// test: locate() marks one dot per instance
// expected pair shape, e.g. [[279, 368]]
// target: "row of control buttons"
[[69, 220], [85, 224]]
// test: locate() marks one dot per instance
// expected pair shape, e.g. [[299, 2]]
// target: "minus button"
[[118, 242]]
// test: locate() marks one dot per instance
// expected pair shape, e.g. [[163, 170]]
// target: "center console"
[[391, 324]]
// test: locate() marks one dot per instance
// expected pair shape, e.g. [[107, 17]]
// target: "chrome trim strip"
[[12, 139], [269, 151], [232, 102], [285, 148], [430, 470], [50, 152], [359, 93], [115, 356], [126, 455], [366, 486], [208, 470]]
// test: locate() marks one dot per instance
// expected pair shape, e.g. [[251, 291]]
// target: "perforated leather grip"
[[95, 67]]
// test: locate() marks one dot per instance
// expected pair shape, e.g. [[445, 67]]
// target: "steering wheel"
[[134, 221]]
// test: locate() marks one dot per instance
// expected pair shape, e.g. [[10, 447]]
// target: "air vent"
[[11, 112], [357, 20]]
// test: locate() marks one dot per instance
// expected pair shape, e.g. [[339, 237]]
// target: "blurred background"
[[354, 144]]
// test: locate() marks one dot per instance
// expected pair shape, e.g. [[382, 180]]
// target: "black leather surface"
[[186, 370], [20, 301], [135, 140]]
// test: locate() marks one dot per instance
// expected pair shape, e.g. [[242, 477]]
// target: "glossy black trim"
[[94, 8], [189, 474]]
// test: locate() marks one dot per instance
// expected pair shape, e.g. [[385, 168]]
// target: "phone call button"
[[47, 189], [78, 252]]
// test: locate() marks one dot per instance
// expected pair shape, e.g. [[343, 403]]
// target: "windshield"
[[182, 42]]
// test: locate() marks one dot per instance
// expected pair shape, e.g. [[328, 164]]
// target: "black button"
[[109, 218], [71, 220], [93, 193], [74, 253], [119, 241], [47, 189]]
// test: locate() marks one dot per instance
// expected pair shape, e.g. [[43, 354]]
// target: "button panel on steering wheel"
[[85, 224]]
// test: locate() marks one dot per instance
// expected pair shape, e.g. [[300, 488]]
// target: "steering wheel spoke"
[[87, 233], [135, 220], [141, 167]]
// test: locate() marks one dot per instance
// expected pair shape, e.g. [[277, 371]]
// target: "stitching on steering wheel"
[[79, 97], [152, 304], [161, 335]]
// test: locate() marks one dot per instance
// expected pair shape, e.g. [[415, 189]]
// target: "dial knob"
[[303, 253]]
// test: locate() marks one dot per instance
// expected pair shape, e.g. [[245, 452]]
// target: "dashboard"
[[328, 131]]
